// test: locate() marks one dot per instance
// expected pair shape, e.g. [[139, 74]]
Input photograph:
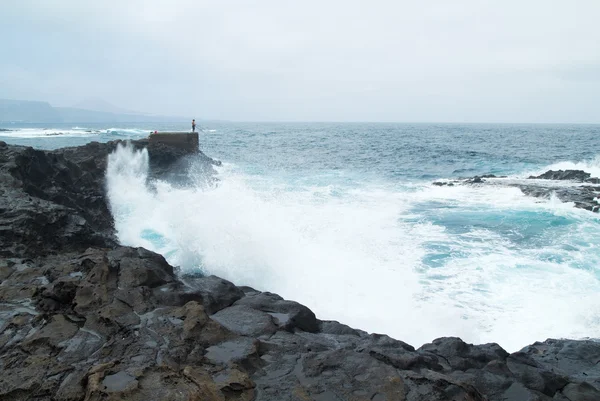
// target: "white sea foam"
[[591, 166], [131, 131], [358, 255], [75, 132], [44, 133]]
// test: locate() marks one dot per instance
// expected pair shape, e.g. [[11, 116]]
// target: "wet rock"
[[533, 376], [287, 314], [62, 290], [577, 359], [405, 360], [139, 267], [571, 175], [80, 346], [443, 183], [583, 196], [57, 330], [245, 321], [462, 356], [333, 327], [475, 180], [581, 392], [56, 201], [119, 382], [236, 384], [52, 204], [214, 292], [241, 350]]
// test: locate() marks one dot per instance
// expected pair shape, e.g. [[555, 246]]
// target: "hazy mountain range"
[[87, 111]]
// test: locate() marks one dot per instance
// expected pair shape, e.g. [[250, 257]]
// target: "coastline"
[[85, 318]]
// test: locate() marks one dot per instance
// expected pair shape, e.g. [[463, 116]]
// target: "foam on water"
[[50, 132], [381, 257], [75, 132], [591, 166]]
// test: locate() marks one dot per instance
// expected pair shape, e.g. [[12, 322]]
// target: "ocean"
[[344, 219]]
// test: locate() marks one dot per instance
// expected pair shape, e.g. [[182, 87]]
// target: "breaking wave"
[[413, 261]]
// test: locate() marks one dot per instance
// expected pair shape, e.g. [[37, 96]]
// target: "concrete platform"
[[182, 140]]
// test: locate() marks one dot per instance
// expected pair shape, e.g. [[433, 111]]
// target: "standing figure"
[[193, 125]]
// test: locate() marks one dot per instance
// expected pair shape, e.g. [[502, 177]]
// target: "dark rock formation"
[[119, 324], [52, 201], [107, 322], [572, 175], [583, 196]]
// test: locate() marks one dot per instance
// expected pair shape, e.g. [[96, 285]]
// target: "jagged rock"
[[55, 201], [287, 314], [534, 376], [581, 392], [333, 327], [475, 180], [572, 175], [140, 268], [84, 319], [462, 356], [214, 292], [583, 196], [577, 359]]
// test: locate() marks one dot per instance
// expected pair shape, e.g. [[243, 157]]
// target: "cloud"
[[466, 60]]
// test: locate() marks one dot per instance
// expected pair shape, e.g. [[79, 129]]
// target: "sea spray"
[[488, 265]]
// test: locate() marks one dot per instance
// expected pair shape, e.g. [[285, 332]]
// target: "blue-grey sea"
[[343, 217]]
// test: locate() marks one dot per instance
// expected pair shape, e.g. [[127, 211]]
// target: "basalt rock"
[[574, 186], [53, 201], [83, 319], [572, 175], [97, 343]]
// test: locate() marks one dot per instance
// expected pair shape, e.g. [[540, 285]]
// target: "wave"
[[74, 132], [591, 166], [135, 131], [47, 132], [415, 262]]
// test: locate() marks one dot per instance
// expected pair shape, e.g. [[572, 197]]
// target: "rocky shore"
[[574, 186], [83, 318]]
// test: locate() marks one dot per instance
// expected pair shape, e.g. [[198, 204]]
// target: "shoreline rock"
[[82, 318], [584, 195]]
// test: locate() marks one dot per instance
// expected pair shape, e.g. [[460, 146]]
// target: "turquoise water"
[[343, 218]]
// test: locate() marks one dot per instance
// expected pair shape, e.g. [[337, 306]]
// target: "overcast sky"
[[415, 61]]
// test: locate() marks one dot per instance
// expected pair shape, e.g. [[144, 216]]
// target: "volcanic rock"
[[84, 319]]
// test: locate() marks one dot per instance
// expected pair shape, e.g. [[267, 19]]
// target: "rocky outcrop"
[[54, 201], [111, 324], [51, 203], [85, 320], [571, 175], [574, 186]]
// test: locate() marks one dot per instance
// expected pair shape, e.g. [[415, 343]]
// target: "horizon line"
[[306, 122]]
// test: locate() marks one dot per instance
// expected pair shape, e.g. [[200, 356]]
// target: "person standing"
[[193, 125]]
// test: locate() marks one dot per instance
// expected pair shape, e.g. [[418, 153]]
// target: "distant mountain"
[[28, 111], [25, 111], [97, 104]]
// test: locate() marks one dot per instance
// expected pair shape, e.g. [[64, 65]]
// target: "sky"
[[327, 60]]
